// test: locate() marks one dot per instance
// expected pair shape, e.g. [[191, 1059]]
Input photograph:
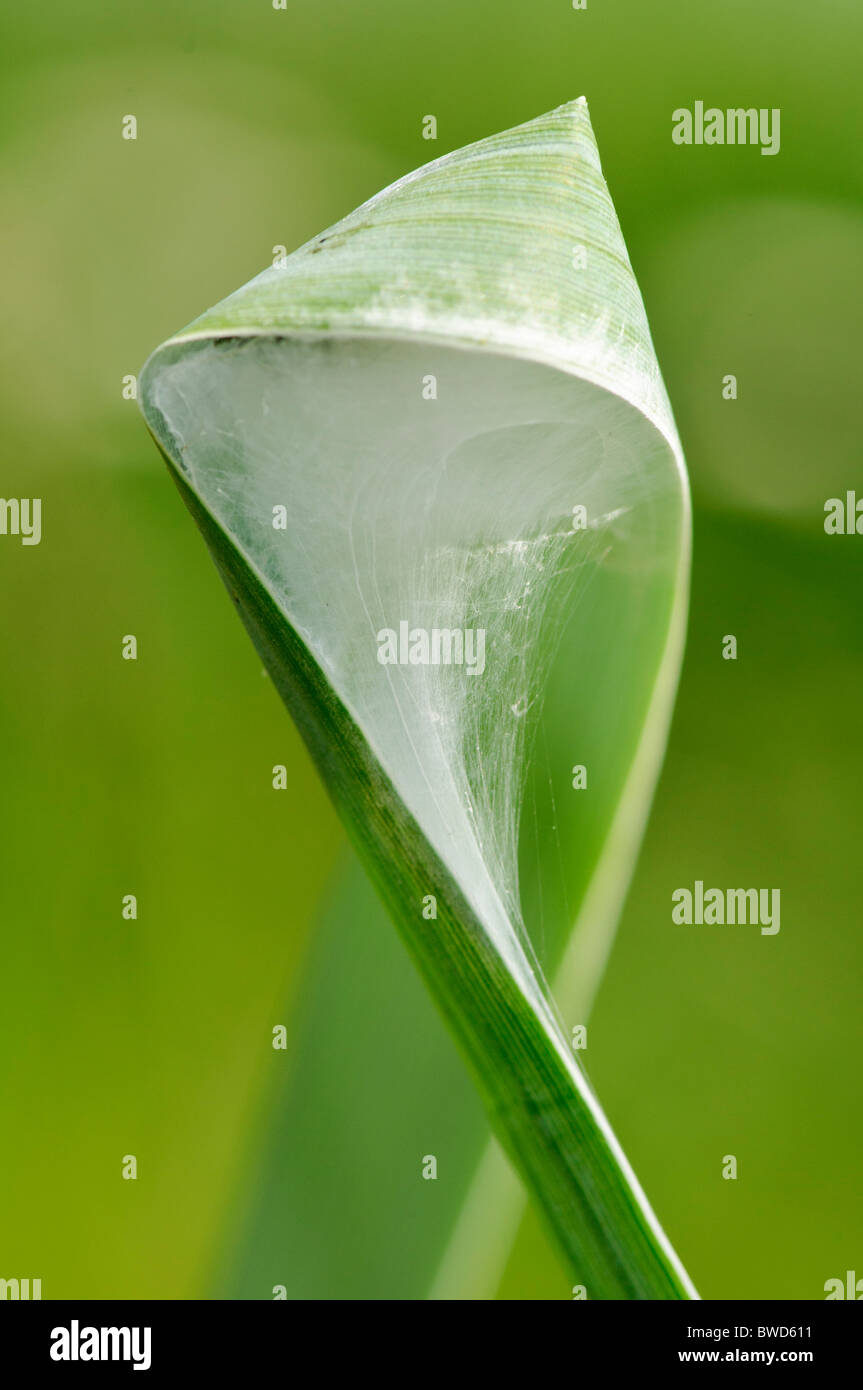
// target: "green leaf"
[[445, 416]]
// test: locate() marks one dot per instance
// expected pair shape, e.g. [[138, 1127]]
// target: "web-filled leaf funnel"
[[430, 452]]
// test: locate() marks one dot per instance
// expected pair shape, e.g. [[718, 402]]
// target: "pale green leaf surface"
[[303, 390]]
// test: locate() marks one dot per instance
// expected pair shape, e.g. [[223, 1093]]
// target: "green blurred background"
[[259, 127]]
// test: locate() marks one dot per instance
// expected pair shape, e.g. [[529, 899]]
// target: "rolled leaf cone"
[[445, 416]]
